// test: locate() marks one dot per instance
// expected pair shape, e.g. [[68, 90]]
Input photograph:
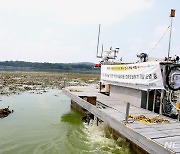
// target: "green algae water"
[[46, 124]]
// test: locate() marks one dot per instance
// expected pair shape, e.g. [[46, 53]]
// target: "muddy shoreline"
[[38, 82]]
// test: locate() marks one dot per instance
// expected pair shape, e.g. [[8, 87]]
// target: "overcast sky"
[[66, 30]]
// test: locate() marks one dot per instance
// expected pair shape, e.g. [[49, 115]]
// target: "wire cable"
[[159, 40]]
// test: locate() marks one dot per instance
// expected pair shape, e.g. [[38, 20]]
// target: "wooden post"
[[127, 111], [179, 115], [91, 100], [64, 82], [97, 121]]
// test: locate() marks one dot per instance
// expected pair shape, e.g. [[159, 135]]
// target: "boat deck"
[[160, 138]]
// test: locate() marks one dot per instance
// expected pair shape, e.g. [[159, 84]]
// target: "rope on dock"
[[75, 90], [146, 120]]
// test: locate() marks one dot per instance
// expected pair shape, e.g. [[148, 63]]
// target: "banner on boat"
[[144, 76]]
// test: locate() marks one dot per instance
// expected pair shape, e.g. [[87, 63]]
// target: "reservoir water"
[[46, 124]]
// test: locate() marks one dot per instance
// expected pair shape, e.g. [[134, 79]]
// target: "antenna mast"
[[172, 14], [98, 40]]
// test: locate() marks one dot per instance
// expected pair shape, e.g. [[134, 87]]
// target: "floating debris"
[[88, 118], [5, 112]]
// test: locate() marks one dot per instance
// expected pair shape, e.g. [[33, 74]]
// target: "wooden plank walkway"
[[153, 138]]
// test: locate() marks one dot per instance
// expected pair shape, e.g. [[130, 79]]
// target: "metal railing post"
[[100, 86], [127, 111]]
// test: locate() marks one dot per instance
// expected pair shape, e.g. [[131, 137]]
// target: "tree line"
[[62, 67]]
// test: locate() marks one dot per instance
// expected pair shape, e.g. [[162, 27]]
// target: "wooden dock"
[[158, 138]]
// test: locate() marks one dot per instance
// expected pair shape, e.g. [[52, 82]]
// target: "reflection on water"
[[46, 124]]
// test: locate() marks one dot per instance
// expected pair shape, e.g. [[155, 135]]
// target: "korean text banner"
[[144, 76]]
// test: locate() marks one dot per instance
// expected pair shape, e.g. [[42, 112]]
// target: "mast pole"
[[172, 14], [98, 40]]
